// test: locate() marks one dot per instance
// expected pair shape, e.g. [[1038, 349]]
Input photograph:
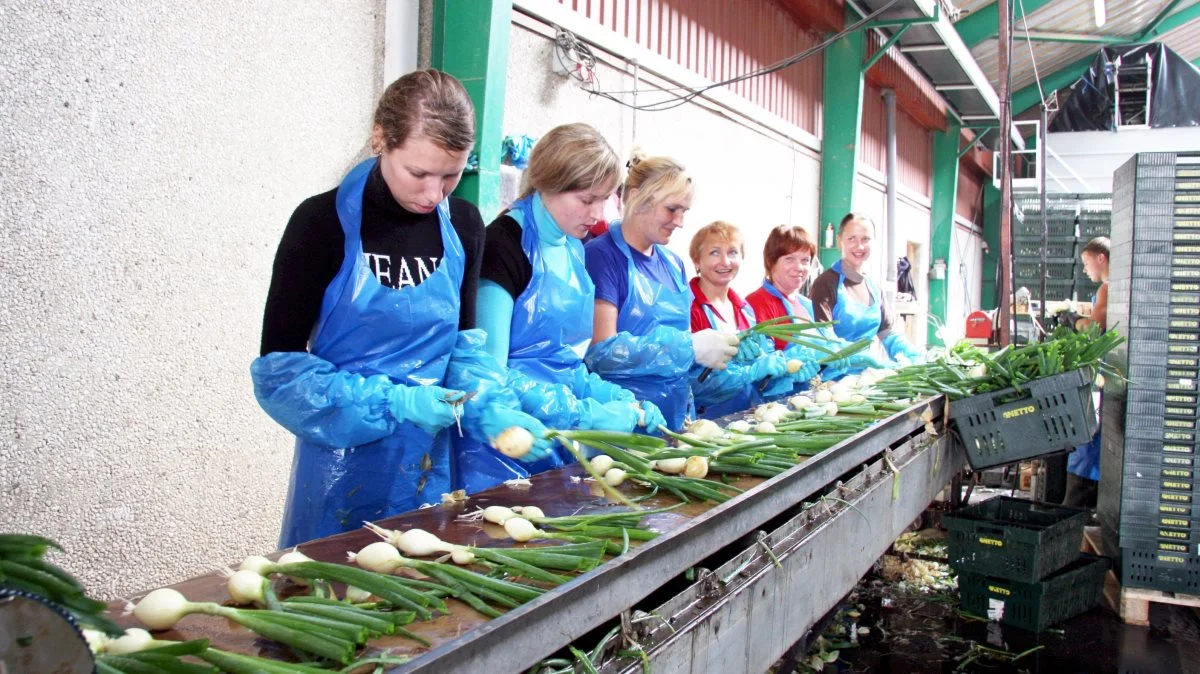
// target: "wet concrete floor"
[[912, 632]]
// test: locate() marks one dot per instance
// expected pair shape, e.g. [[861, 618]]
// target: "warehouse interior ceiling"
[[1055, 40]]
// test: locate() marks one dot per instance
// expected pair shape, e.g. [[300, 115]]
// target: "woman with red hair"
[[787, 259]]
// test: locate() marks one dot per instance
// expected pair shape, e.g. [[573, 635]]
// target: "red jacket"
[[766, 306], [700, 319]]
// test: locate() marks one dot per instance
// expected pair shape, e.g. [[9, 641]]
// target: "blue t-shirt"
[[607, 267]]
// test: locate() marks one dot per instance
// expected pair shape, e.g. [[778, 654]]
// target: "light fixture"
[[1101, 16]]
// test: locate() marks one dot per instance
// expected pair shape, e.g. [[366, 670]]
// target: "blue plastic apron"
[[1085, 460], [370, 329], [856, 320], [746, 398], [550, 333], [649, 305]]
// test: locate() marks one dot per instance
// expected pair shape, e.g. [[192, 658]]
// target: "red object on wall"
[[979, 325]]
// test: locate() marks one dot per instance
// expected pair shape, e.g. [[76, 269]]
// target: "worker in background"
[[787, 259], [536, 303], [844, 294], [1083, 464], [716, 251], [372, 282], [641, 336]]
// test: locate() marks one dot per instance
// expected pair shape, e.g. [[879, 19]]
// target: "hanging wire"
[[1032, 59], [591, 83]]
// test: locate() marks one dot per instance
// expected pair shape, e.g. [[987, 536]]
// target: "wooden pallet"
[[1131, 603]]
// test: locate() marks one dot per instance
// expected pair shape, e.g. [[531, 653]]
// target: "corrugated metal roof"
[[1184, 40], [1125, 18]]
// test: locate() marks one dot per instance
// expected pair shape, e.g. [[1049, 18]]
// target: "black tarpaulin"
[[1174, 94]]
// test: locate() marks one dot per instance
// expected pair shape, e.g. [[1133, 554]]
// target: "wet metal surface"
[[555, 492]]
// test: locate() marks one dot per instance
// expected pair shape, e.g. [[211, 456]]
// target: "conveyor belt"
[[829, 541]]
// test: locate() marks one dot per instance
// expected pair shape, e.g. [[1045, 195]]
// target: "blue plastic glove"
[[617, 416], [652, 418], [807, 371], [772, 364], [896, 346], [497, 418], [749, 350], [319, 403], [430, 408]]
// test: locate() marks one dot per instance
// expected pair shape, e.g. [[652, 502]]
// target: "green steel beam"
[[1158, 25], [1063, 77], [984, 23], [970, 146], [885, 47], [1072, 38], [470, 41], [991, 236], [841, 128], [941, 223], [891, 23]]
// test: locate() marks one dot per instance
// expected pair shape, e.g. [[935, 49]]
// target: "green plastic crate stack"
[[1019, 562]]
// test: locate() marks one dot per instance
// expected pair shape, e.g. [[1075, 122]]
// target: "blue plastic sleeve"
[[493, 314], [474, 370], [664, 352], [319, 403], [590, 385]]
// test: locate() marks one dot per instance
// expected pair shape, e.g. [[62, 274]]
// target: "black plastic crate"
[[1014, 538], [1057, 225], [1059, 269], [1052, 414], [1153, 569], [1038, 605], [1026, 248]]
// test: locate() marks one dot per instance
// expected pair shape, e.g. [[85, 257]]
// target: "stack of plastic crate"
[[1071, 221], [1148, 489]]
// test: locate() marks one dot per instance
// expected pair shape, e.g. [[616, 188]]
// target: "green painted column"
[[941, 222], [841, 126], [470, 41], [991, 236]]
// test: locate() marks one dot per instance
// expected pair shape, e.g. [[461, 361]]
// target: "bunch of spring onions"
[[141, 653], [966, 370], [530, 563], [595, 529], [793, 330], [626, 452], [23, 566]]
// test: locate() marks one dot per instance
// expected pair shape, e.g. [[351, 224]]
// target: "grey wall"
[[745, 177], [150, 156]]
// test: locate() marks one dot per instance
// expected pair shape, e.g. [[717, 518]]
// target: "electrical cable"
[[1029, 43], [566, 42]]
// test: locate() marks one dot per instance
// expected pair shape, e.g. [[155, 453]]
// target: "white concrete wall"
[[149, 159], [912, 226], [1094, 155], [747, 177], [965, 274]]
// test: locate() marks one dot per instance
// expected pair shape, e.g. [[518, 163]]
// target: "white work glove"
[[714, 349]]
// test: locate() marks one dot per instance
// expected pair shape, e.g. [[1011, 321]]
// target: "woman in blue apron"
[[641, 334], [536, 301], [845, 295], [363, 392], [787, 259], [716, 251]]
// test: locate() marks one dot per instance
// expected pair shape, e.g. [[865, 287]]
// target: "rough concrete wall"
[[742, 176], [150, 157]]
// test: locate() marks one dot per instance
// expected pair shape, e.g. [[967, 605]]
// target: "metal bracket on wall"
[[883, 49], [891, 23]]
